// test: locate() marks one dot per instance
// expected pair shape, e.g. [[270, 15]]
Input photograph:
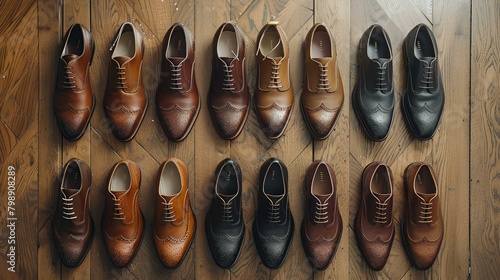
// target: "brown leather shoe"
[[125, 102], [122, 220], [374, 221], [177, 100], [273, 92], [73, 224], [73, 99], [322, 225], [174, 223], [422, 229], [323, 93], [228, 97]]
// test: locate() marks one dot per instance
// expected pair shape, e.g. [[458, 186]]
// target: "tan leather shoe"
[[177, 100], [323, 93], [73, 224], [322, 225], [122, 220], [273, 92], [228, 98], [374, 220], [174, 223], [73, 99], [423, 228], [125, 102]]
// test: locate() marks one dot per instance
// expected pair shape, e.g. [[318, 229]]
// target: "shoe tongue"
[[381, 197], [427, 60], [225, 198], [69, 57], [176, 60], [122, 59], [382, 61], [426, 196], [323, 60], [275, 198], [119, 193], [322, 197], [227, 60], [69, 192], [276, 59]]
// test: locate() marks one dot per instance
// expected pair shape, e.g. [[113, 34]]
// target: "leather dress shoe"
[[322, 225], [125, 102], [422, 229], [423, 100], [373, 95], [224, 223], [73, 224], [273, 225], [273, 93], [122, 219], [228, 98], [374, 226], [323, 93], [177, 100], [73, 99], [174, 223]]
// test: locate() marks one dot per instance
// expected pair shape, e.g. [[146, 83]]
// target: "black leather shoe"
[[423, 101], [224, 223], [273, 224], [373, 95]]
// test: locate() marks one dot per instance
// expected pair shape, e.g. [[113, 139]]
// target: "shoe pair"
[[174, 223], [125, 102], [373, 95], [421, 229]]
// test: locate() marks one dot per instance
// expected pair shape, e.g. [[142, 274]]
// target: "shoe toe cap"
[[177, 122], [274, 120], [229, 121], [125, 124]]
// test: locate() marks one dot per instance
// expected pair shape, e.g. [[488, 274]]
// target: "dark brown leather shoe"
[[273, 92], [122, 220], [73, 99], [125, 102], [374, 221], [228, 97], [174, 223], [177, 100], [323, 93], [73, 224], [423, 228], [322, 225]]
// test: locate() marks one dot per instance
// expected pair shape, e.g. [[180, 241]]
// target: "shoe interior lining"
[[120, 180], [322, 183], [378, 47], [227, 45], [381, 182], [227, 183], [170, 180], [321, 45], [125, 47], [423, 45], [177, 44], [273, 184], [424, 183], [72, 177], [75, 44], [271, 45]]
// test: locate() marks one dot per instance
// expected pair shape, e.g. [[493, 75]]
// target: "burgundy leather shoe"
[[177, 100]]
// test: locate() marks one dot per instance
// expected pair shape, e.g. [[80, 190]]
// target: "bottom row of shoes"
[[174, 223]]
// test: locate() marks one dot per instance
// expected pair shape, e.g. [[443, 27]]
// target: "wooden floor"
[[465, 151]]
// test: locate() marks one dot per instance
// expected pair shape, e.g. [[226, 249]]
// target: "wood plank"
[[49, 138], [335, 149], [485, 127]]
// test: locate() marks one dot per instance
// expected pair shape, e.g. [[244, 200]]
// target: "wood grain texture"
[[485, 141]]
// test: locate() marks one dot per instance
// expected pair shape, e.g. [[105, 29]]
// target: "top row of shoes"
[[178, 102]]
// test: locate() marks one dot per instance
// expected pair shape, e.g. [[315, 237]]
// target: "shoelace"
[[227, 215], [274, 213], [427, 78], [175, 77], [119, 214], [275, 69], [121, 83], [228, 73], [426, 212], [168, 212], [324, 84], [380, 214], [321, 216], [67, 207], [69, 79], [381, 83]]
